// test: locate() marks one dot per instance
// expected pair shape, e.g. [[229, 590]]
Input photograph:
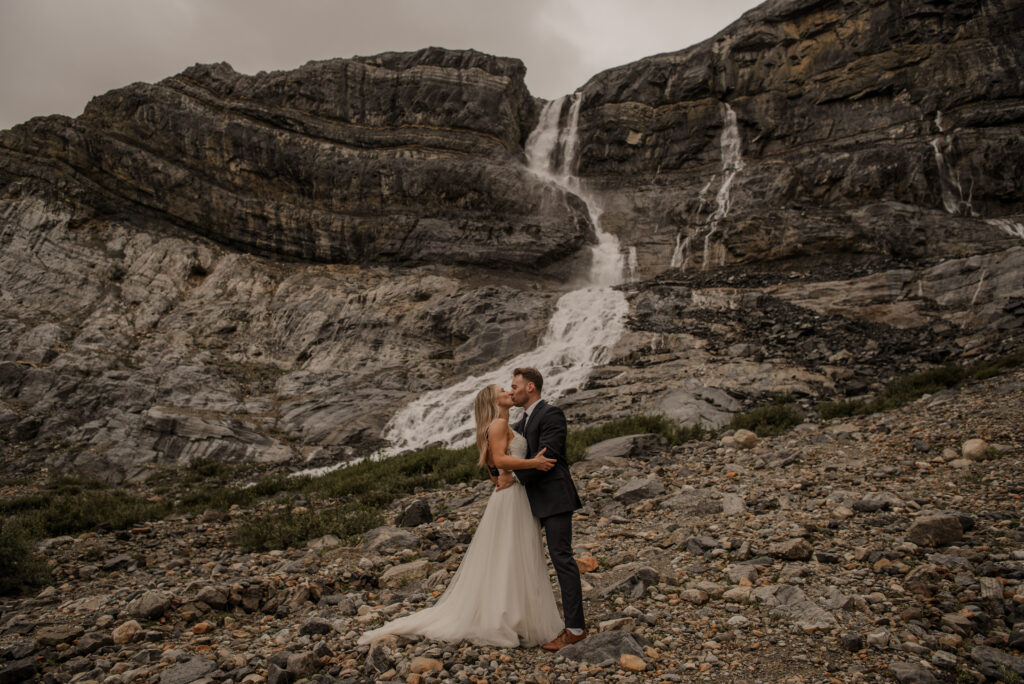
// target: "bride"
[[501, 594]]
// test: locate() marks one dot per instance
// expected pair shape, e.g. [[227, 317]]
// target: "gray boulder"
[[603, 646], [151, 605], [415, 514], [935, 530], [187, 672], [388, 539], [638, 490]]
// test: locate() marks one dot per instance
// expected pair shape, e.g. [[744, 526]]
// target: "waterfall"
[[952, 191], [681, 253], [732, 164], [632, 263], [1011, 228], [586, 324], [953, 199]]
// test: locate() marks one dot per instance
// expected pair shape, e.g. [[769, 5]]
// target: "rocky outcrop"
[[823, 197], [124, 349], [820, 197], [810, 132], [386, 159]]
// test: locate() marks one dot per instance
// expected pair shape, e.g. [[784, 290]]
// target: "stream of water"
[[586, 324]]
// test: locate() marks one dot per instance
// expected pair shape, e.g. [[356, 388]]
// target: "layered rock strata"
[[816, 132], [817, 199], [265, 268], [386, 159]]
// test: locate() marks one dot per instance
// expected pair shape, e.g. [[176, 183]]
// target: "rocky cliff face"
[[822, 197], [388, 159], [130, 341], [810, 195], [805, 132]]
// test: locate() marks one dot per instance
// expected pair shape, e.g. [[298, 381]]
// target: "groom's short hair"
[[531, 375]]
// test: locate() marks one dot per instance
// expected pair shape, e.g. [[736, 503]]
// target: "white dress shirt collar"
[[529, 411]]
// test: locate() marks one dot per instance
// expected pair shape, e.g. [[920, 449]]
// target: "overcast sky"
[[57, 54]]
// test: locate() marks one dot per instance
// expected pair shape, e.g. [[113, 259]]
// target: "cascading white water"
[[1011, 228], [586, 323], [681, 253], [732, 164], [681, 249], [953, 199]]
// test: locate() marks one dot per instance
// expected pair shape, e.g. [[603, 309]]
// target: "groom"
[[552, 495]]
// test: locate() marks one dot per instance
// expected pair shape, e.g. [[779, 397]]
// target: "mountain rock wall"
[[845, 115], [825, 196], [386, 159]]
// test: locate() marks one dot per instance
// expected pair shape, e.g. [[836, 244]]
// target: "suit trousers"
[[558, 530]]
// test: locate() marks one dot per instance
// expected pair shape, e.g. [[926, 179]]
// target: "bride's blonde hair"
[[485, 409]]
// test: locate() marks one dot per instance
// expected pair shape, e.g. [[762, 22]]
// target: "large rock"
[[702, 155], [189, 671], [415, 514], [388, 539], [151, 605], [792, 603], [603, 646], [912, 673], [975, 449], [935, 530], [996, 660], [401, 575], [638, 490], [126, 632], [244, 358], [53, 635], [16, 671]]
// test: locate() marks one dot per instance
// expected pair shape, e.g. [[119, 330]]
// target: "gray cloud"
[[57, 54]]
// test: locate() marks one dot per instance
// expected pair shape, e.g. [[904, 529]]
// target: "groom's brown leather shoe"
[[564, 639]]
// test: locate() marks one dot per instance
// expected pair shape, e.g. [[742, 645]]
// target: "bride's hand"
[[543, 463]]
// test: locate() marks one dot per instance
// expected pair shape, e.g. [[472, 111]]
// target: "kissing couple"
[[501, 594]]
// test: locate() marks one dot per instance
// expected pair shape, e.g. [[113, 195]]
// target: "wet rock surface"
[[690, 593]]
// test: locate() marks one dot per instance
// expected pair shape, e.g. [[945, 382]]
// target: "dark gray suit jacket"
[[551, 492]]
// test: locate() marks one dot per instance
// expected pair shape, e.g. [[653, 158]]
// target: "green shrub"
[[765, 421], [208, 469], [578, 441], [838, 409], [902, 391], [289, 528], [72, 513], [19, 570]]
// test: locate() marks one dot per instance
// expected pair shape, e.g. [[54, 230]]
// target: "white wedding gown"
[[501, 594]]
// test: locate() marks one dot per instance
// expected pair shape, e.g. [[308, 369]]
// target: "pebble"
[[818, 550]]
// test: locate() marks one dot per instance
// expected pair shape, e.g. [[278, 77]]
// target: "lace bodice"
[[517, 447]]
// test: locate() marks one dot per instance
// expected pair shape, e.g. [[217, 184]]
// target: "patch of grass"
[[74, 513], [902, 391], [773, 419], [578, 441], [292, 527], [70, 505], [20, 571], [208, 469]]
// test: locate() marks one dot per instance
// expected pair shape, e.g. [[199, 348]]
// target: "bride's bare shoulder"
[[497, 425]]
